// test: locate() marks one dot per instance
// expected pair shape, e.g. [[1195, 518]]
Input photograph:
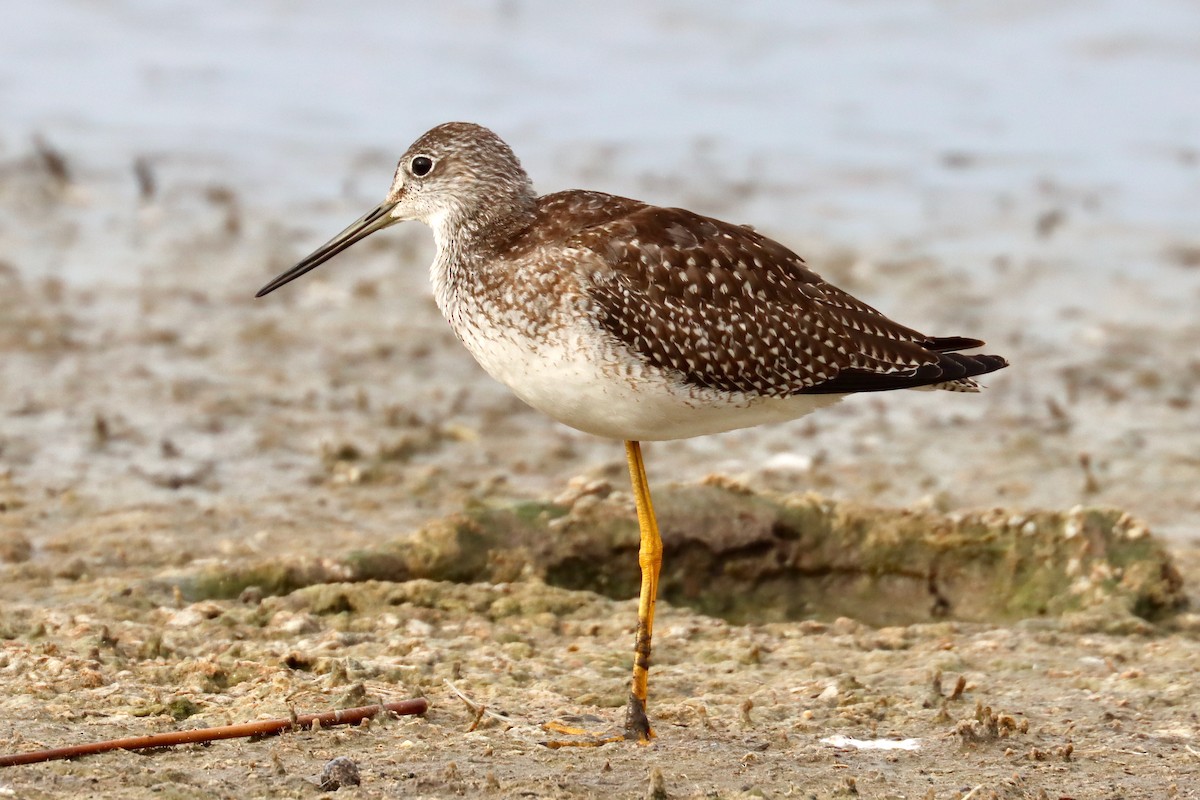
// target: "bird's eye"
[[421, 165]]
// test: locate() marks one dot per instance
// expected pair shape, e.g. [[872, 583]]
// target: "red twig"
[[270, 727]]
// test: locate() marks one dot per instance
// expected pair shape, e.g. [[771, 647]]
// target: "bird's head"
[[459, 178]]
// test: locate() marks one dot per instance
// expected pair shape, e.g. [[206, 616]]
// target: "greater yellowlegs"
[[635, 322]]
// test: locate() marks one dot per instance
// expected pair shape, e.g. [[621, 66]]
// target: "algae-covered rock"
[[747, 556]]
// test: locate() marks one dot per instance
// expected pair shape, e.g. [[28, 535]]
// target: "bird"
[[636, 322]]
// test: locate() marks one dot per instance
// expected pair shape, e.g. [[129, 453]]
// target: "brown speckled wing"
[[728, 309]]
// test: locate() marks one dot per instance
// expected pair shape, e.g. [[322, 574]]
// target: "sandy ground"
[[160, 428]]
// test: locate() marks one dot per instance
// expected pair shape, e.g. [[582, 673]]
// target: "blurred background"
[[1025, 172], [864, 120]]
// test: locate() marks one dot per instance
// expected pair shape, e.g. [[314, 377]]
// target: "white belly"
[[614, 394]]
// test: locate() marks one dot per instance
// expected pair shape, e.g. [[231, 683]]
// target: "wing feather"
[[726, 308]]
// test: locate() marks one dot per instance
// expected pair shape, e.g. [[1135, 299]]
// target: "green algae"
[[751, 557]]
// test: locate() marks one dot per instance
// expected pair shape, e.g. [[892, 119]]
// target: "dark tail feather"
[[948, 367], [949, 344]]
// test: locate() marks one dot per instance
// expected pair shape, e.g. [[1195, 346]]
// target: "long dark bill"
[[375, 219]]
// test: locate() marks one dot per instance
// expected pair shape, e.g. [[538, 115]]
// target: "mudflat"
[[216, 510]]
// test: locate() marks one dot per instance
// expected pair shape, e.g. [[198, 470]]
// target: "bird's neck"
[[467, 244]]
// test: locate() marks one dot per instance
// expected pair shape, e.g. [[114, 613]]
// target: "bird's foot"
[[584, 737], [637, 729], [637, 724]]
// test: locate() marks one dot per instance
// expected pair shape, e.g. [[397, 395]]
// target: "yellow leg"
[[637, 724]]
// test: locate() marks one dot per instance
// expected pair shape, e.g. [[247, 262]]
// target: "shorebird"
[[636, 322]]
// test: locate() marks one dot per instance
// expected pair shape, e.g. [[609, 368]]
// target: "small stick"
[[472, 706], [270, 727], [478, 709]]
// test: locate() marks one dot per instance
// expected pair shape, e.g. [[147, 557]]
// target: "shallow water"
[[853, 111]]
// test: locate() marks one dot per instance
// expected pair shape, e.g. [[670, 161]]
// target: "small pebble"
[[251, 596], [339, 772]]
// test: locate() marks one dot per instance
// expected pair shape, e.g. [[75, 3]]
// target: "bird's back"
[[726, 309]]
